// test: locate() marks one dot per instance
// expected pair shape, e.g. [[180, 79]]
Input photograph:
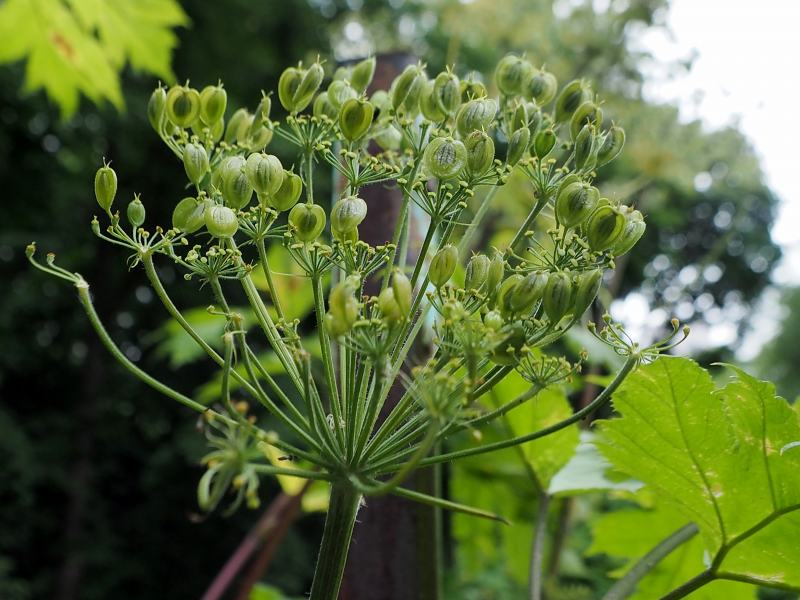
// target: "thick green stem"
[[537, 554], [335, 545]]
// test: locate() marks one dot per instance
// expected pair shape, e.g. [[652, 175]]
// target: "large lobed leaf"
[[715, 454]]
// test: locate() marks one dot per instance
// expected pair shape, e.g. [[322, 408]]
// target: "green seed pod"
[[195, 162], [258, 136], [575, 202], [634, 230], [604, 227], [497, 268], [586, 113], [586, 149], [558, 296], [493, 320], [323, 107], [265, 173], [233, 183], [348, 213], [105, 187], [183, 105], [136, 212], [401, 286], [477, 272], [189, 215], [505, 292], [539, 86], [309, 84], [475, 115], [213, 101], [336, 328], [586, 287], [535, 118], [572, 95], [362, 73], [288, 84], [471, 89], [156, 108], [288, 193], [518, 145], [612, 145], [232, 130], [263, 109], [511, 71], [519, 118], [428, 104], [480, 152], [527, 292], [307, 221], [220, 221], [389, 138], [389, 307], [342, 302], [381, 101], [544, 142], [407, 87], [443, 265], [340, 92], [447, 92], [355, 117], [445, 157]]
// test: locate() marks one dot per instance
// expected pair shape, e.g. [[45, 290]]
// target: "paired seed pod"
[[220, 221], [189, 215], [586, 148], [342, 304], [407, 88], [443, 265], [612, 145], [475, 115], [348, 213], [340, 92], [288, 193], [575, 202], [493, 320], [362, 73], [195, 162], [604, 227], [497, 267], [237, 119], [296, 87], [539, 86], [323, 107], [447, 92], [572, 95], [544, 142], [445, 157], [388, 138], [213, 101], [401, 286], [390, 307], [480, 152], [518, 145], [234, 184], [307, 221], [527, 292], [182, 105], [558, 296], [429, 106], [105, 187], [136, 212], [632, 233], [355, 117], [477, 272], [587, 112], [511, 71], [587, 286], [472, 89], [156, 108], [505, 291], [265, 174]]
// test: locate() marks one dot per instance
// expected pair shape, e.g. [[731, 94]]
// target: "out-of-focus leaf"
[[318, 494], [262, 591], [715, 456]]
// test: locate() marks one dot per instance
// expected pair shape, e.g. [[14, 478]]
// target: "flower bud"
[[586, 288], [494, 276], [183, 105], [477, 272], [428, 105], [136, 212], [105, 187], [407, 88], [575, 202], [558, 296], [189, 215], [518, 145], [445, 157], [475, 115], [544, 142], [604, 227], [447, 92], [265, 173], [505, 292], [586, 113], [213, 101], [348, 213], [234, 185], [632, 233], [195, 162], [443, 265], [511, 71], [355, 117], [539, 86], [288, 193], [480, 152], [156, 108], [612, 145], [340, 92], [572, 95], [232, 130], [307, 221], [362, 73], [586, 149], [526, 292], [401, 286], [220, 221], [324, 107], [389, 307]]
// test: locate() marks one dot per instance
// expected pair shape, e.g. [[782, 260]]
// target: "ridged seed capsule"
[[445, 157], [558, 296], [307, 221], [189, 215], [288, 193], [443, 265]]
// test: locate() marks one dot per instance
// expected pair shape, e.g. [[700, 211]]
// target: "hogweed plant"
[[438, 143]]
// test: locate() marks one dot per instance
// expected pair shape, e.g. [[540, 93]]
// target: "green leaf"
[[715, 456], [631, 533]]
